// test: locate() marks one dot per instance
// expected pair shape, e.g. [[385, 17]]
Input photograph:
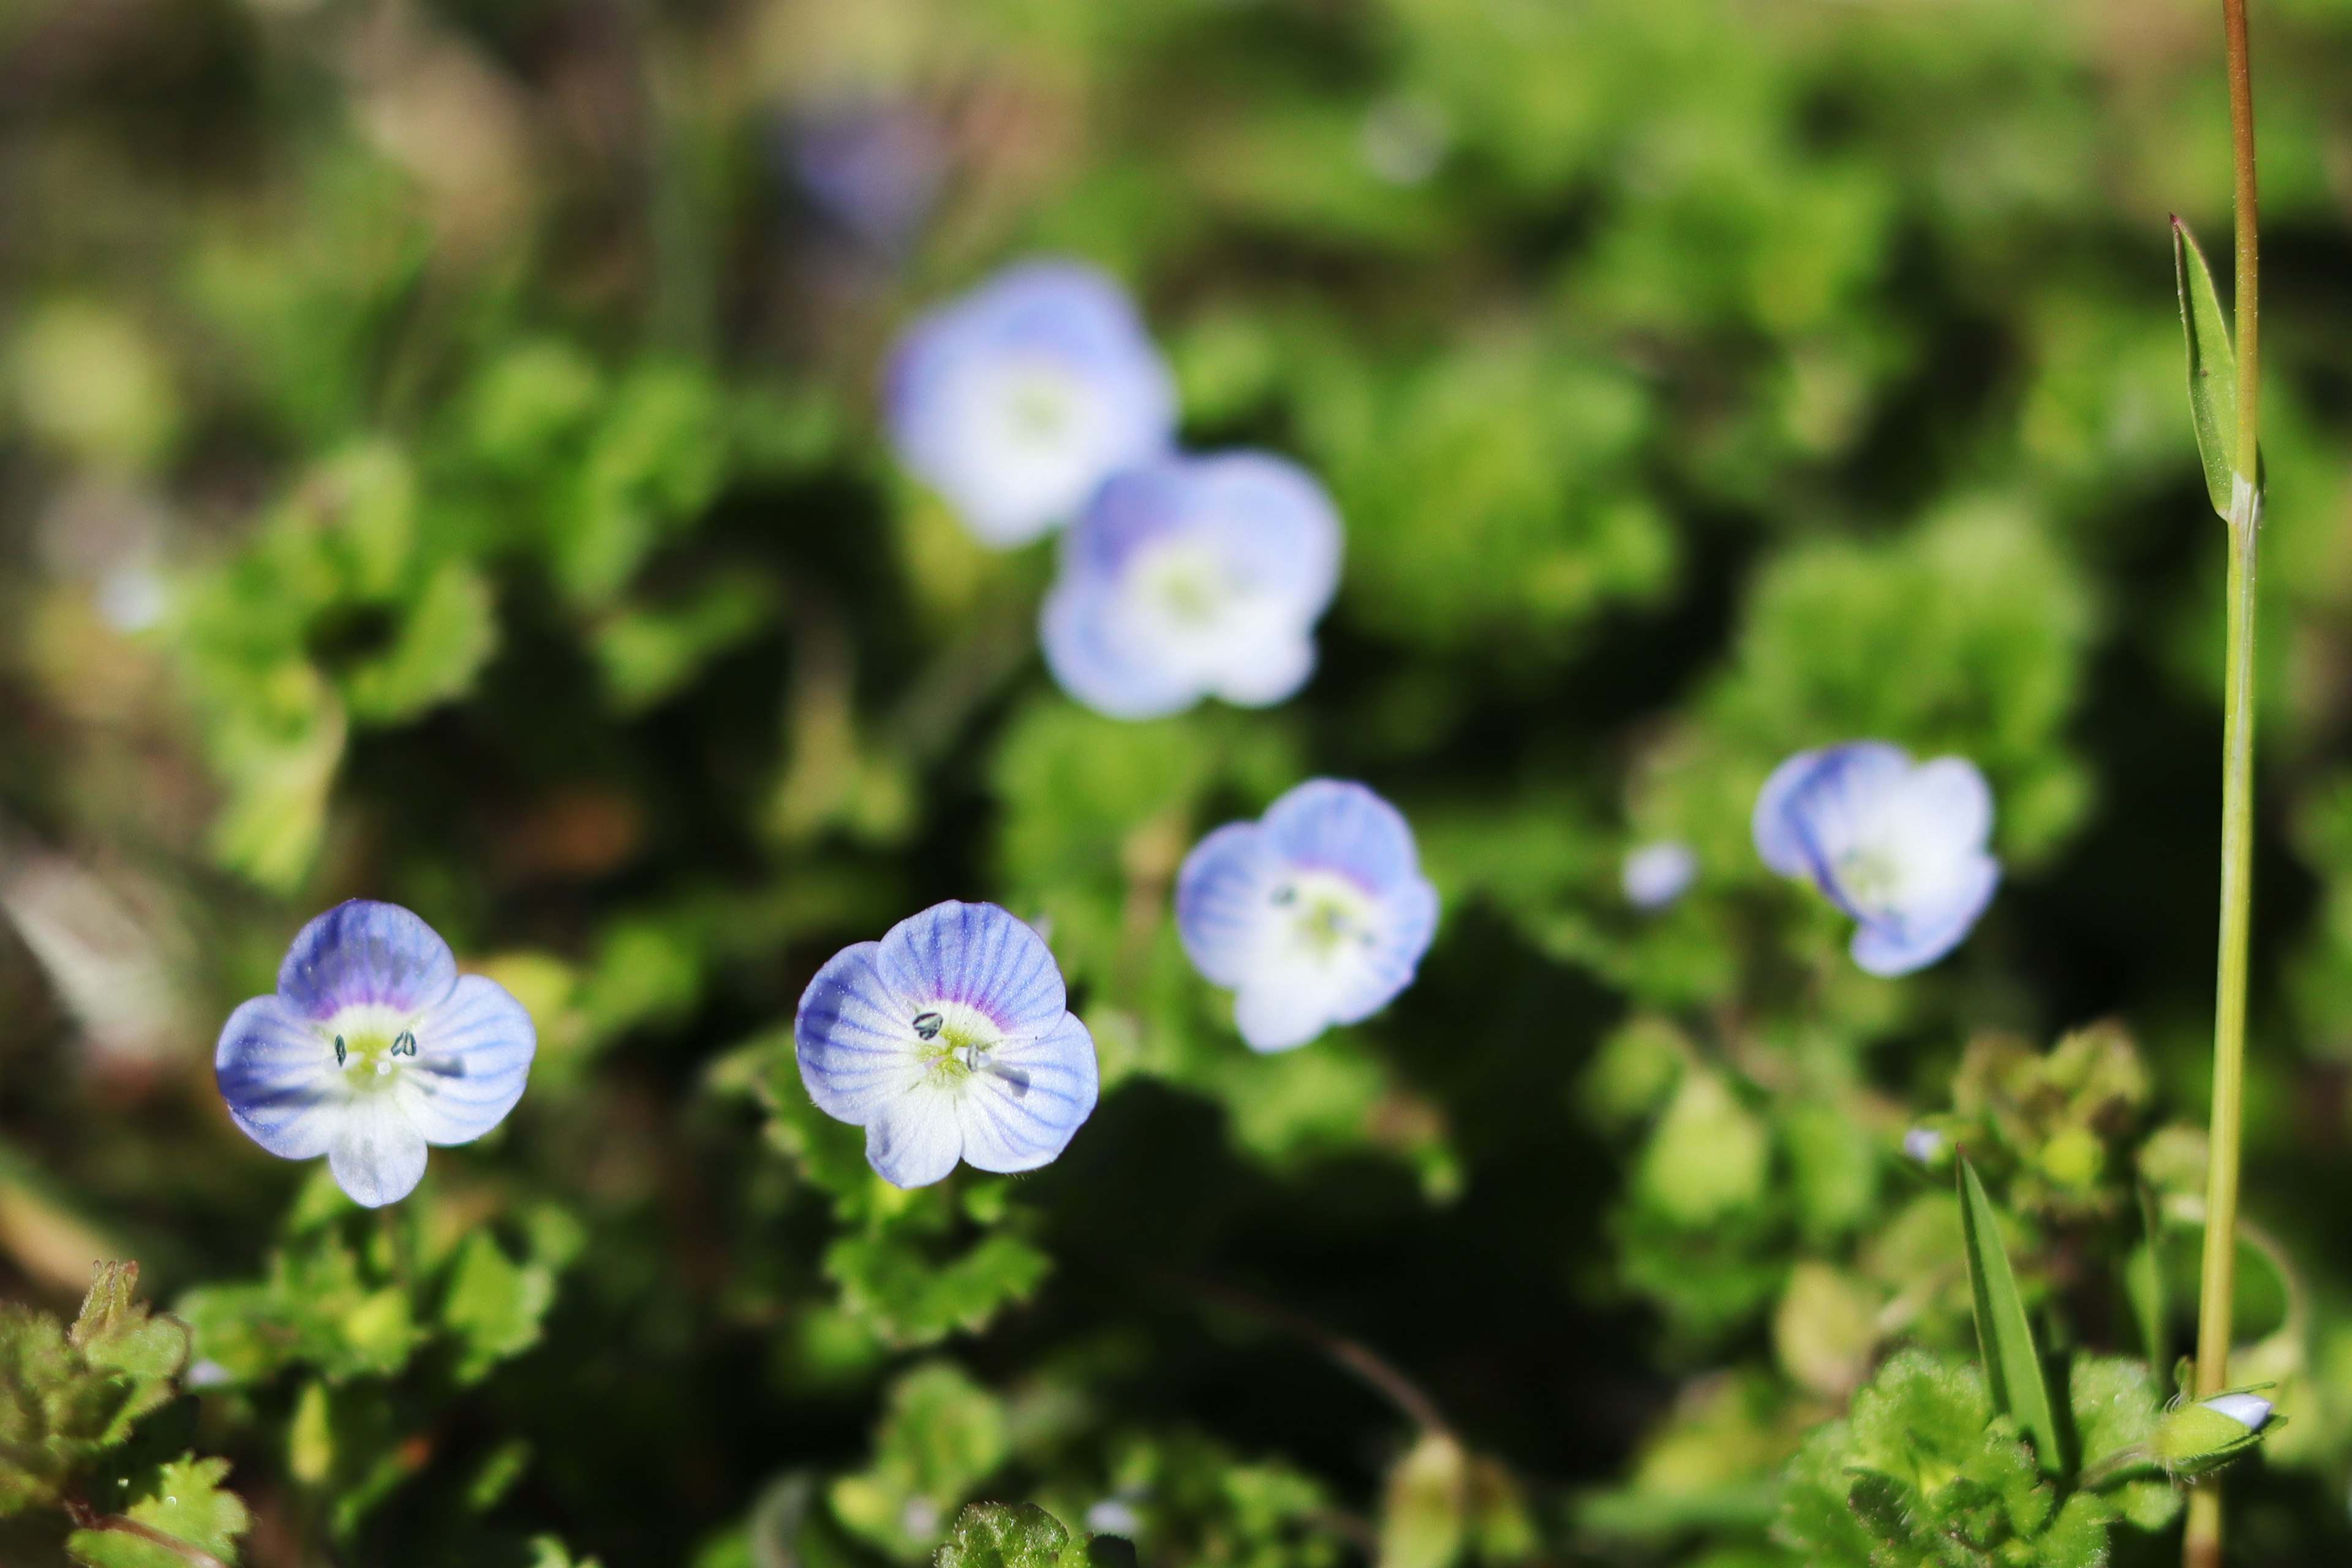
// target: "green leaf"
[[494, 1306], [942, 1435], [1006, 1535], [187, 1512], [2212, 367], [2143, 1284], [116, 1334], [2013, 1364], [1424, 1504]]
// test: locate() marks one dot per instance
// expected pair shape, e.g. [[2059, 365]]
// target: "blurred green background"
[[438, 462]]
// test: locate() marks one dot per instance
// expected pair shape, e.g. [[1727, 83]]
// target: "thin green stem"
[[2201, 1543]]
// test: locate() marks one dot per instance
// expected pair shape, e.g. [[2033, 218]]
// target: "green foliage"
[[2012, 1362], [2212, 368], [940, 1437]]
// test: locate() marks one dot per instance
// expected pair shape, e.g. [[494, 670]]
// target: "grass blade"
[[2213, 366], [2013, 1364]]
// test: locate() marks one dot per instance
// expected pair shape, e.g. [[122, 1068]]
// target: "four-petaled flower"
[[1192, 577], [1315, 914], [1017, 400], [948, 1039], [1899, 846], [372, 1047]]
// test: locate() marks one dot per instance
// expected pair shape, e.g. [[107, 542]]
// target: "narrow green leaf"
[[2013, 1364], [2212, 367], [2143, 1284]]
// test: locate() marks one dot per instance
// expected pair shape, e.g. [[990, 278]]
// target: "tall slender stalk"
[[2201, 1543]]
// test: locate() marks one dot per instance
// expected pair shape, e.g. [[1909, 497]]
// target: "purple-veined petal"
[[916, 1138], [278, 1073], [1021, 1109], [854, 1038], [363, 952], [1222, 893], [1338, 825], [1839, 807], [978, 954], [473, 1058], [376, 1156]]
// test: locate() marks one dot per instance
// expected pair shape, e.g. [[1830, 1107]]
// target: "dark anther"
[[403, 1044], [338, 1050], [1286, 895], [929, 1025]]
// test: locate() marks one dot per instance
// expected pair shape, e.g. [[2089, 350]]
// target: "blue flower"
[[1193, 577], [948, 1039], [1017, 400], [1315, 914], [1899, 846], [873, 167], [1654, 875], [372, 1047]]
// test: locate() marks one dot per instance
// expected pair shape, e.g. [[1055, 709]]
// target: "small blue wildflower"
[[372, 1047], [1654, 875], [1017, 400], [1193, 577], [948, 1039], [1315, 914], [1924, 1144], [874, 167], [1899, 846]]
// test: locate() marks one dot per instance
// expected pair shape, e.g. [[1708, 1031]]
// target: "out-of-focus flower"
[[1017, 400], [106, 954], [1193, 577], [374, 1048], [1315, 914], [1655, 875], [874, 168], [1900, 847], [950, 1039], [1926, 1145]]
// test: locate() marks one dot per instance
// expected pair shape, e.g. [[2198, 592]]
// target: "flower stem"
[[2201, 1543]]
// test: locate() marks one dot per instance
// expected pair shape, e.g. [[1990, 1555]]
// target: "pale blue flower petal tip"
[[372, 1047], [1898, 845], [1193, 577], [949, 1039], [1018, 400], [1654, 876], [1316, 914]]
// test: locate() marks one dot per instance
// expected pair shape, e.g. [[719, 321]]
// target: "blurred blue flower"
[[1192, 577], [1655, 875], [1016, 401], [875, 168], [1315, 914], [1899, 846], [372, 1047], [948, 1039]]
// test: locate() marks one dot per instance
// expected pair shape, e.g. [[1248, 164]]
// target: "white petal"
[[376, 1156], [473, 1058], [1277, 1013], [1025, 1106], [1896, 947], [1265, 670], [278, 1073], [915, 1140]]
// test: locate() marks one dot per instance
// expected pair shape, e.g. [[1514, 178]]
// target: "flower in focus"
[[1315, 914], [1655, 875], [1900, 847], [1017, 400], [372, 1047], [1193, 577], [950, 1039]]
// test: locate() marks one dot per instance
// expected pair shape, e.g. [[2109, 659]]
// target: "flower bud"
[[2195, 1438]]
